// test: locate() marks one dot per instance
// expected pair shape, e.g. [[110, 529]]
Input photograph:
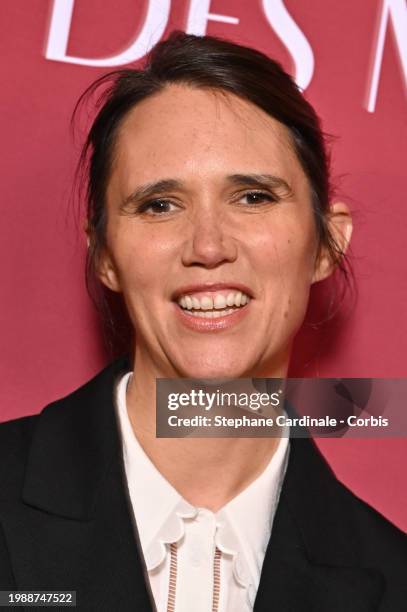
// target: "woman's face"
[[209, 208]]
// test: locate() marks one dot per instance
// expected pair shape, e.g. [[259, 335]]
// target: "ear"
[[104, 265], [107, 271], [340, 225], [87, 230]]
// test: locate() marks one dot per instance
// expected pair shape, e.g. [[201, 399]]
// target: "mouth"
[[212, 306]]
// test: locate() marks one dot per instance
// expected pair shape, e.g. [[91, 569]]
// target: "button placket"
[[196, 563], [202, 532]]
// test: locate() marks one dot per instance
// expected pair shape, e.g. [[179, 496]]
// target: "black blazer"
[[66, 521]]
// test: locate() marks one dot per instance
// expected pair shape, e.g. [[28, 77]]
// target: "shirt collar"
[[159, 509]]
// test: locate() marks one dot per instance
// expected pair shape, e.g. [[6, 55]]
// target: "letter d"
[[153, 28]]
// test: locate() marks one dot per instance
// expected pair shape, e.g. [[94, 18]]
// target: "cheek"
[[286, 253], [286, 257], [141, 258]]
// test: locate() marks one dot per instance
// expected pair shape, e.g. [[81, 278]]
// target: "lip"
[[199, 324], [209, 287]]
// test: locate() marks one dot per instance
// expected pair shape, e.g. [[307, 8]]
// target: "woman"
[[209, 213]]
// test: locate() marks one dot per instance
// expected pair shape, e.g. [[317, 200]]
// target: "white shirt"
[[240, 530]]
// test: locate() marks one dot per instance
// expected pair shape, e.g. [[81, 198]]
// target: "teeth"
[[206, 303], [217, 302], [230, 300], [196, 303], [210, 314], [238, 298]]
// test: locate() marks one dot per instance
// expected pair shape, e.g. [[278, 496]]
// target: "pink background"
[[49, 331]]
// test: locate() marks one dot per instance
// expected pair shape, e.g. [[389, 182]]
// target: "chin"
[[213, 370]]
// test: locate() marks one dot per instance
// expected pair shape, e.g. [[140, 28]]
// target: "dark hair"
[[201, 62]]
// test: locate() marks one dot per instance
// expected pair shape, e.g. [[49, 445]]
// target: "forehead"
[[189, 133]]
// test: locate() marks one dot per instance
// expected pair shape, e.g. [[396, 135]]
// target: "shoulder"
[[380, 546], [57, 420], [335, 523], [15, 437], [13, 433], [377, 536]]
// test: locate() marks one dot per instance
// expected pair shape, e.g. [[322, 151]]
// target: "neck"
[[191, 465]]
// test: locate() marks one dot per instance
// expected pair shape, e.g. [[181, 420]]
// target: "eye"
[[156, 207], [257, 198]]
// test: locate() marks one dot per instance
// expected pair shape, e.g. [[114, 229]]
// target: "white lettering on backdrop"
[[199, 15], [152, 30], [392, 12], [396, 12], [155, 23], [293, 38]]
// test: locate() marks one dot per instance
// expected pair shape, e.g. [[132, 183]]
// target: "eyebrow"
[[261, 181], [257, 181], [152, 189]]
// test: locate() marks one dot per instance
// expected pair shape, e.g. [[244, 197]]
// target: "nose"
[[208, 243]]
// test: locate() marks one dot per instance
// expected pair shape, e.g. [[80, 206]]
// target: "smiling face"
[[210, 235]]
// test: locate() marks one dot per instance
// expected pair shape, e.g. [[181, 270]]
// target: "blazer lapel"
[[75, 528], [312, 562]]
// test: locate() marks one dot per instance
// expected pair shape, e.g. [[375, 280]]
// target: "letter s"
[[293, 38]]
